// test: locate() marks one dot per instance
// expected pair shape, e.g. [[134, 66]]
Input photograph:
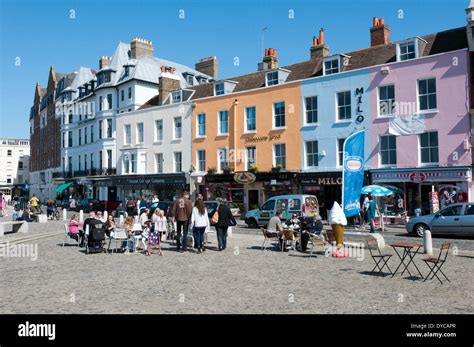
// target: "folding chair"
[[438, 262], [316, 240], [380, 259], [66, 231], [288, 237], [267, 238]]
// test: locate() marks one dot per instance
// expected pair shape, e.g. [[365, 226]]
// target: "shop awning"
[[61, 187]]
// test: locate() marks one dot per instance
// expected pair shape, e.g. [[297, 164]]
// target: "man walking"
[[371, 212], [182, 210]]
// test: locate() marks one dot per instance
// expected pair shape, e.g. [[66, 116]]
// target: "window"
[[407, 51], [69, 163], [79, 163], [222, 158], [159, 130], [331, 66], [85, 162], [126, 164], [250, 156], [64, 139], [279, 114], [85, 135], [20, 165], [269, 205], [109, 158], [344, 105], [79, 133], [92, 133], [106, 77], [109, 101], [142, 163], [340, 152], [178, 130], [388, 150], [219, 89], [250, 119], [201, 160], [132, 163], [469, 210], [311, 148], [127, 134], [109, 128], [311, 106], [69, 139], [70, 120], [272, 78], [140, 133], [279, 155], [9, 152], [100, 129], [429, 148], [451, 211], [122, 95], [427, 94], [176, 97], [386, 100], [201, 124], [129, 92], [189, 79], [159, 162], [178, 165], [100, 160], [223, 122], [92, 161], [100, 103]]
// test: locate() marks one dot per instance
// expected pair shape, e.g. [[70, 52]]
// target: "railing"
[[85, 173]]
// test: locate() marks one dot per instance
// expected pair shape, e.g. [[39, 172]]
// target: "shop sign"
[[245, 177], [358, 94], [417, 177], [253, 139], [324, 181]]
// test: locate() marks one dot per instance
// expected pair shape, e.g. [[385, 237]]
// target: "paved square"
[[242, 279]]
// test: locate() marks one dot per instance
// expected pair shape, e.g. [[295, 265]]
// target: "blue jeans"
[[221, 237], [130, 244], [198, 233], [372, 225]]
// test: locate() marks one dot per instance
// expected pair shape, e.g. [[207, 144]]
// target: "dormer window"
[[407, 51], [106, 77], [201, 79], [126, 71], [189, 78], [176, 97], [272, 78], [219, 88], [331, 66]]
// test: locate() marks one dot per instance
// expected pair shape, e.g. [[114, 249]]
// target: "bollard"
[[106, 215], [427, 243], [121, 219], [64, 214], [81, 216]]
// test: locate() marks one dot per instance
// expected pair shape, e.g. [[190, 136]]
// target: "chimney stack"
[[207, 66], [379, 33], [270, 58], [140, 48], [104, 61], [167, 83], [319, 49]]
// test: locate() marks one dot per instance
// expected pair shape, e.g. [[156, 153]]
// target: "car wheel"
[[420, 229], [252, 223]]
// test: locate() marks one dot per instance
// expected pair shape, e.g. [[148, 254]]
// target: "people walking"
[[224, 221], [3, 204], [199, 223], [371, 212], [182, 209]]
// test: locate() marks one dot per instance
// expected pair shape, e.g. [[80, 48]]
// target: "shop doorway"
[[112, 194], [253, 201]]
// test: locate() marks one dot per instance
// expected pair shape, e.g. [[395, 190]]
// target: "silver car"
[[456, 219]]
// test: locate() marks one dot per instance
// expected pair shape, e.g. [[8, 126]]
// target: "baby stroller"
[[95, 237], [152, 239]]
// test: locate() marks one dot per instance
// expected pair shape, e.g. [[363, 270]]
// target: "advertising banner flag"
[[353, 173]]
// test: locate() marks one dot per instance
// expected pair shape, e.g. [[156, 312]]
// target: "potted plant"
[[253, 168], [211, 170], [277, 168], [227, 170]]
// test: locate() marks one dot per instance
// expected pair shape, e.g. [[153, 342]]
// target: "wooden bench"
[[13, 226]]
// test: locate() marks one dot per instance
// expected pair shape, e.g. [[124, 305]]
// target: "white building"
[[14, 168], [123, 83]]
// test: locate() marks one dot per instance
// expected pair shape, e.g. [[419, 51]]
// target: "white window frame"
[[138, 142], [219, 168], [389, 115], [331, 60], [198, 161], [176, 97], [339, 150], [307, 166], [274, 154], [219, 123], [430, 110], [345, 120], [158, 134], [420, 163], [272, 82], [388, 150], [246, 127], [215, 88], [159, 164], [247, 166], [305, 115], [127, 138], [197, 125], [175, 133], [407, 42], [175, 161], [274, 127]]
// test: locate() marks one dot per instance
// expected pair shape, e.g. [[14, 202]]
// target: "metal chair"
[[316, 240], [268, 237], [380, 259], [289, 237], [66, 231], [435, 264]]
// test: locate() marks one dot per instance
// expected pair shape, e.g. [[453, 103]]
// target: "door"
[[448, 220], [467, 220], [253, 199], [266, 212]]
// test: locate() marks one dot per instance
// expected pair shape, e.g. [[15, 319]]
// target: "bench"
[[13, 226]]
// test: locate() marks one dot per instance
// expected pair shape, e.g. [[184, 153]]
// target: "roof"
[[440, 42]]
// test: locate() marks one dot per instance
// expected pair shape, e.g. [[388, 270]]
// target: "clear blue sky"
[[42, 34]]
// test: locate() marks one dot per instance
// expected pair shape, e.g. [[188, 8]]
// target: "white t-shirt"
[[199, 220]]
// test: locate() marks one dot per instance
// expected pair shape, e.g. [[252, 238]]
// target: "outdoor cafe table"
[[409, 250]]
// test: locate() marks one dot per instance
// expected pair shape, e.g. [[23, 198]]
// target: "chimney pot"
[[379, 33], [321, 36]]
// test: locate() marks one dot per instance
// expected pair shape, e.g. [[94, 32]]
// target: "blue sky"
[[41, 33]]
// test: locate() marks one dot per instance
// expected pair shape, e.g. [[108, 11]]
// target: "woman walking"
[[199, 223], [224, 221]]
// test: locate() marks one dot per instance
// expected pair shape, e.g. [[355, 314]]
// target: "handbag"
[[215, 217]]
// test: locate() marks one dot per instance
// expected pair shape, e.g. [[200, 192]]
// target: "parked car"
[[302, 205], [455, 219], [212, 205], [88, 205]]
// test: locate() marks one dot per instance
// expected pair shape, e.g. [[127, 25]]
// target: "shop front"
[[424, 190]]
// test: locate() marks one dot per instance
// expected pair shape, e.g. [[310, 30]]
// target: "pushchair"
[[152, 239], [95, 237]]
